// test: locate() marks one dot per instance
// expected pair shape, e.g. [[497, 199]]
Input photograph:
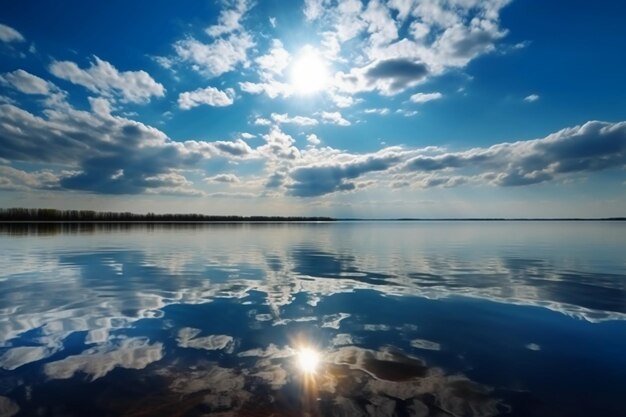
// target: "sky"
[[378, 109]]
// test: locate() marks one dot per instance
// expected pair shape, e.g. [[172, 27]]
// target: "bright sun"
[[308, 360], [309, 73]]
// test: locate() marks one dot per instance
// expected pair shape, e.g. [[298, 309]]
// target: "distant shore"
[[38, 216]]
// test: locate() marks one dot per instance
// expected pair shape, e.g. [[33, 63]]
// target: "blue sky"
[[429, 108]]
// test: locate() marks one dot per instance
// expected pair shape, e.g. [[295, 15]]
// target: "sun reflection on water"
[[308, 360]]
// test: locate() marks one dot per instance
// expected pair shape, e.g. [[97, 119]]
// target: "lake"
[[320, 319]]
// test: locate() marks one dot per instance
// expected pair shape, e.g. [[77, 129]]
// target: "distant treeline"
[[53, 215]]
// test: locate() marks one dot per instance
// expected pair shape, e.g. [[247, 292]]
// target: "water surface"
[[409, 318]]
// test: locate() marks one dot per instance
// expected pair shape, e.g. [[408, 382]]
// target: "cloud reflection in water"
[[210, 312]]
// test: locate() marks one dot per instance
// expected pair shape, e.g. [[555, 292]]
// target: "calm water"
[[409, 319]]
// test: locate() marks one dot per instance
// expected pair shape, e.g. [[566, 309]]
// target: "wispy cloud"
[[8, 34], [531, 98], [425, 97]]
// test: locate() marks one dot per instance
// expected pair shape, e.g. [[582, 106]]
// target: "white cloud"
[[18, 180], [297, 120], [218, 57], [210, 96], [275, 61], [591, 147], [272, 88], [425, 97], [279, 145], [270, 65], [381, 111], [313, 139], [531, 98], [165, 62], [27, 83], [139, 158], [8, 34], [313, 9], [342, 101], [229, 20], [224, 178], [348, 23], [381, 27], [246, 135], [238, 148], [403, 7], [103, 78], [260, 121], [440, 36], [335, 118]]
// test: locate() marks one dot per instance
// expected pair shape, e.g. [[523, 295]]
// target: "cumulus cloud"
[[270, 66], [381, 27], [275, 61], [217, 57], [229, 20], [101, 152], [234, 148], [228, 47], [439, 36], [388, 76], [261, 121], [210, 96], [313, 9], [8, 34], [313, 139], [279, 145], [395, 75], [425, 97], [334, 118], [103, 78], [297, 120], [27, 83], [271, 88], [593, 146], [12, 179], [320, 179], [224, 178]]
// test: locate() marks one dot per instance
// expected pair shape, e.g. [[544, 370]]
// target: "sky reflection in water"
[[472, 319]]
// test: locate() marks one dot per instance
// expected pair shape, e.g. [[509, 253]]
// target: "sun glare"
[[308, 360], [309, 73]]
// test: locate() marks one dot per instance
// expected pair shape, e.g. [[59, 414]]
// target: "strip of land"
[[28, 215]]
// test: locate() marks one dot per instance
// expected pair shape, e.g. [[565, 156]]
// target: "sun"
[[308, 360], [309, 73]]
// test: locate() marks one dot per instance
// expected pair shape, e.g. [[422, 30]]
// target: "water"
[[409, 319]]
